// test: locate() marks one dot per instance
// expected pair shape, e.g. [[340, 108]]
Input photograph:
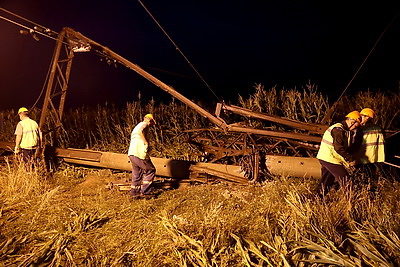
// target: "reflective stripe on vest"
[[373, 145], [30, 134], [326, 150]]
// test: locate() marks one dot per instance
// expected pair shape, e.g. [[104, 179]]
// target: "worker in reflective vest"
[[28, 137], [335, 154], [372, 148], [143, 170]]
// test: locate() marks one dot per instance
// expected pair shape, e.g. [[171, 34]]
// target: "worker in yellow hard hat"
[[143, 170], [366, 115], [334, 153], [28, 137], [372, 148]]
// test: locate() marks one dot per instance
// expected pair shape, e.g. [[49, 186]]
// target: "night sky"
[[232, 44]]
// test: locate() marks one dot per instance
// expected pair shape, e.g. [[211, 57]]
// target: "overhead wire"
[[44, 84], [331, 110], [35, 31], [179, 50], [27, 20], [47, 33], [28, 28]]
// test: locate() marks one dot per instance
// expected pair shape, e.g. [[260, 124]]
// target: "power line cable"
[[32, 31], [37, 29], [178, 49], [331, 110], [27, 20], [47, 30], [44, 84]]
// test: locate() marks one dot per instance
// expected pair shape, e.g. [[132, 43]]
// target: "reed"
[[384, 103], [70, 219], [278, 223], [307, 104], [19, 184]]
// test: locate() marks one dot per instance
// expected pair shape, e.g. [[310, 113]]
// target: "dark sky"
[[232, 44]]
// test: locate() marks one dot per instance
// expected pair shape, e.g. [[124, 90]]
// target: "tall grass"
[[307, 104], [385, 104], [72, 220], [279, 223], [108, 127], [17, 185]]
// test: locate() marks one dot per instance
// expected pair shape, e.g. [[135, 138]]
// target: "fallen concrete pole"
[[276, 165], [181, 169], [293, 166]]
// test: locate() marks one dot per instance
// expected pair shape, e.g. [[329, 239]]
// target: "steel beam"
[[57, 84], [312, 127]]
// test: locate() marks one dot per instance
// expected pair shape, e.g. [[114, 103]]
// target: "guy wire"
[[177, 48], [331, 110]]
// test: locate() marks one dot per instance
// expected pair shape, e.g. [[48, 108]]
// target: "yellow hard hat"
[[23, 109], [368, 112], [150, 116], [355, 115]]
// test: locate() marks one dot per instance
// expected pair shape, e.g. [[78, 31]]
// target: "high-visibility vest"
[[373, 145], [30, 134], [326, 150], [137, 146]]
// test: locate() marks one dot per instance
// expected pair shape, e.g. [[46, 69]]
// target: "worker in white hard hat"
[[28, 137], [335, 154], [143, 170]]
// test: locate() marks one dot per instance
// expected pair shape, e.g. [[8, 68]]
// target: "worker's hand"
[[17, 150], [352, 163], [351, 168]]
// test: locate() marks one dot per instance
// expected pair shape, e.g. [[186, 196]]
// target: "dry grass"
[[108, 128], [18, 185], [385, 103], [70, 219], [307, 105], [279, 223]]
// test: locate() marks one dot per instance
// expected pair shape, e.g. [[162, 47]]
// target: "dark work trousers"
[[331, 173], [143, 172], [28, 157]]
